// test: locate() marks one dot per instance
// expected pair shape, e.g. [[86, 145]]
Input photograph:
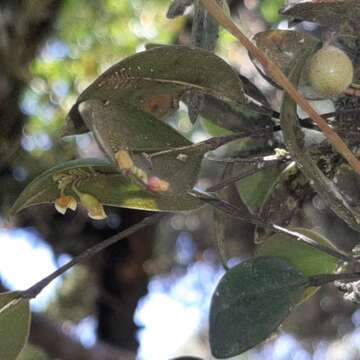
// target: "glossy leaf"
[[282, 199], [283, 46], [213, 129], [121, 126], [100, 179], [236, 117], [250, 302], [117, 125], [254, 189], [304, 258], [177, 8], [339, 15], [161, 70], [348, 183], [14, 325], [326, 13]]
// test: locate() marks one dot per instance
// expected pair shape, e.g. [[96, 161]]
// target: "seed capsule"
[[330, 71]]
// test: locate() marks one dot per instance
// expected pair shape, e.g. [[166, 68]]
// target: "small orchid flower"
[[94, 207], [65, 202]]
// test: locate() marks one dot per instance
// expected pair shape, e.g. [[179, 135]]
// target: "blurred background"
[[147, 296]]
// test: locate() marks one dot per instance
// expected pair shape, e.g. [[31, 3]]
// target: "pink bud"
[[157, 185]]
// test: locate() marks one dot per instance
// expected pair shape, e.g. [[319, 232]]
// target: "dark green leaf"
[[309, 260], [121, 126], [339, 15], [205, 29], [348, 183], [253, 189], [236, 117], [327, 13], [250, 302], [117, 125], [283, 198], [14, 325], [284, 46], [177, 8], [304, 258], [163, 70], [213, 129], [102, 180]]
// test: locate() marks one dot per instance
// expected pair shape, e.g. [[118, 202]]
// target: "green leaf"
[[283, 198], [327, 13], [284, 46], [341, 16], [237, 117], [102, 180], [163, 70], [15, 318], [177, 8], [304, 258], [121, 126], [117, 125], [250, 302], [254, 189], [270, 10], [348, 183], [213, 129]]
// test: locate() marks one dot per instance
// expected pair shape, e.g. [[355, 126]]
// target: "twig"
[[34, 290], [219, 223], [216, 11], [230, 180], [322, 279], [209, 144], [235, 212]]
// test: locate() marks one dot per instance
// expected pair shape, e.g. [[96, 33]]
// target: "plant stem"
[[322, 279], [231, 180], [34, 290], [273, 70], [238, 213], [210, 144]]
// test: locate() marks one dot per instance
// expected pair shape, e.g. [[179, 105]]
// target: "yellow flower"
[[124, 160], [65, 202], [93, 206]]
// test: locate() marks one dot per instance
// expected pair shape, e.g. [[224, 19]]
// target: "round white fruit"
[[330, 71]]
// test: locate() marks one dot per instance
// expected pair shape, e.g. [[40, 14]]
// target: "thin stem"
[[307, 122], [230, 180], [235, 212], [216, 11], [34, 290], [209, 144], [220, 228], [322, 279]]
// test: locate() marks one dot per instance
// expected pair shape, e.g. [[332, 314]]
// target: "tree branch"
[[34, 290]]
